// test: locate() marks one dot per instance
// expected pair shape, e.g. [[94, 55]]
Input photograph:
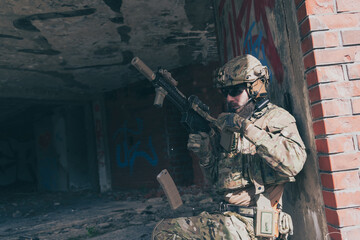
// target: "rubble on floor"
[[88, 215]]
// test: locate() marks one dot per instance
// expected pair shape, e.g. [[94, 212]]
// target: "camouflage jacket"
[[270, 151]]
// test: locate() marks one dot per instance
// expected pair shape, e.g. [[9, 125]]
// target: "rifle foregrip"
[[145, 70]]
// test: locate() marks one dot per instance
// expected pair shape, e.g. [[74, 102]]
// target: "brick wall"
[[330, 34]]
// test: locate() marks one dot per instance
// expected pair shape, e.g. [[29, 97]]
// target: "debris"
[[206, 200]]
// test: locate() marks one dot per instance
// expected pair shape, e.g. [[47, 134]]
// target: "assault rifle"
[[194, 114]]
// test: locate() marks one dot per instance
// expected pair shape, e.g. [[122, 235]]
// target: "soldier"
[[254, 151]]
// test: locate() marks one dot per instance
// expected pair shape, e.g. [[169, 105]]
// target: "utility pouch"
[[285, 225], [265, 218], [265, 223]]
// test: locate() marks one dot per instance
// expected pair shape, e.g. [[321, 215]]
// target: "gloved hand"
[[199, 143], [232, 122]]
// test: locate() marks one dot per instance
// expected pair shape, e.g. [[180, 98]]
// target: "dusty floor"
[[89, 215]]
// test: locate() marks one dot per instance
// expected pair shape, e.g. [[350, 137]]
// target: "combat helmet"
[[245, 69]]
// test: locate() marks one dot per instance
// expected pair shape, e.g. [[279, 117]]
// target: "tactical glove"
[[199, 143], [232, 122]]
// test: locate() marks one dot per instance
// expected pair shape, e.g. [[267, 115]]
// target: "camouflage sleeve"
[[279, 143], [209, 162]]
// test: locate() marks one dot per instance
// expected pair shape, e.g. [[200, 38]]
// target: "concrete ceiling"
[[70, 49]]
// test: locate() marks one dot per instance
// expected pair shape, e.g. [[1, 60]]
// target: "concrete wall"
[[63, 159], [17, 156], [269, 31]]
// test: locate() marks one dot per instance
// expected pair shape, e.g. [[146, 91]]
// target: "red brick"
[[354, 71], [301, 12], [345, 233], [348, 5], [338, 162], [320, 40], [355, 102], [311, 24], [315, 7], [326, 39], [339, 21], [335, 90], [338, 107], [307, 44], [331, 56], [343, 217], [298, 2], [319, 127], [337, 125], [309, 60], [329, 21], [341, 199], [335, 144], [340, 180], [350, 37], [319, 6], [325, 74], [358, 141]]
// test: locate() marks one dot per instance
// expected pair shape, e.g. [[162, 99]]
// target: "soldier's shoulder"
[[278, 116]]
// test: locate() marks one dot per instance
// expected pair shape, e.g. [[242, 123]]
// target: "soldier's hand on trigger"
[[231, 121], [199, 143]]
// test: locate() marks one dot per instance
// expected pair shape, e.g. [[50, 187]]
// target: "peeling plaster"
[[93, 40]]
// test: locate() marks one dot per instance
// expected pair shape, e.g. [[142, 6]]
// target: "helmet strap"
[[256, 94]]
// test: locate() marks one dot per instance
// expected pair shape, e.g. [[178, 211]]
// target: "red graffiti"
[[44, 139], [97, 107], [237, 32], [98, 131]]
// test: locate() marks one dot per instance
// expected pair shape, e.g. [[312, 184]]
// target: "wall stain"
[[127, 57], [25, 23], [115, 5], [46, 48], [118, 20], [106, 50], [10, 36], [42, 42], [50, 52], [200, 13], [191, 38], [67, 78], [124, 33]]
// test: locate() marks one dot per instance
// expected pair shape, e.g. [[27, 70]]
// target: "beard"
[[245, 111]]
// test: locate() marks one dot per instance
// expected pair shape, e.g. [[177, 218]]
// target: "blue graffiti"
[[132, 153], [255, 47]]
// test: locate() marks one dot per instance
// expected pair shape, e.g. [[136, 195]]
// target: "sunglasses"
[[233, 90]]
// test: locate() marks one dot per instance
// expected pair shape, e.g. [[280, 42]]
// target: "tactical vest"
[[242, 166]]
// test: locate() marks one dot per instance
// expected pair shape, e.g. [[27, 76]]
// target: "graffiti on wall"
[[127, 153], [244, 29]]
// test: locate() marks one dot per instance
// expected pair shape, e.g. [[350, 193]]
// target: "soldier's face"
[[237, 99]]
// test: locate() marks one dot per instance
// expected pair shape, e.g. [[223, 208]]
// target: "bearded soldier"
[[253, 152]]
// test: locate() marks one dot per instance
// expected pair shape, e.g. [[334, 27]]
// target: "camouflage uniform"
[[266, 151], [269, 152]]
